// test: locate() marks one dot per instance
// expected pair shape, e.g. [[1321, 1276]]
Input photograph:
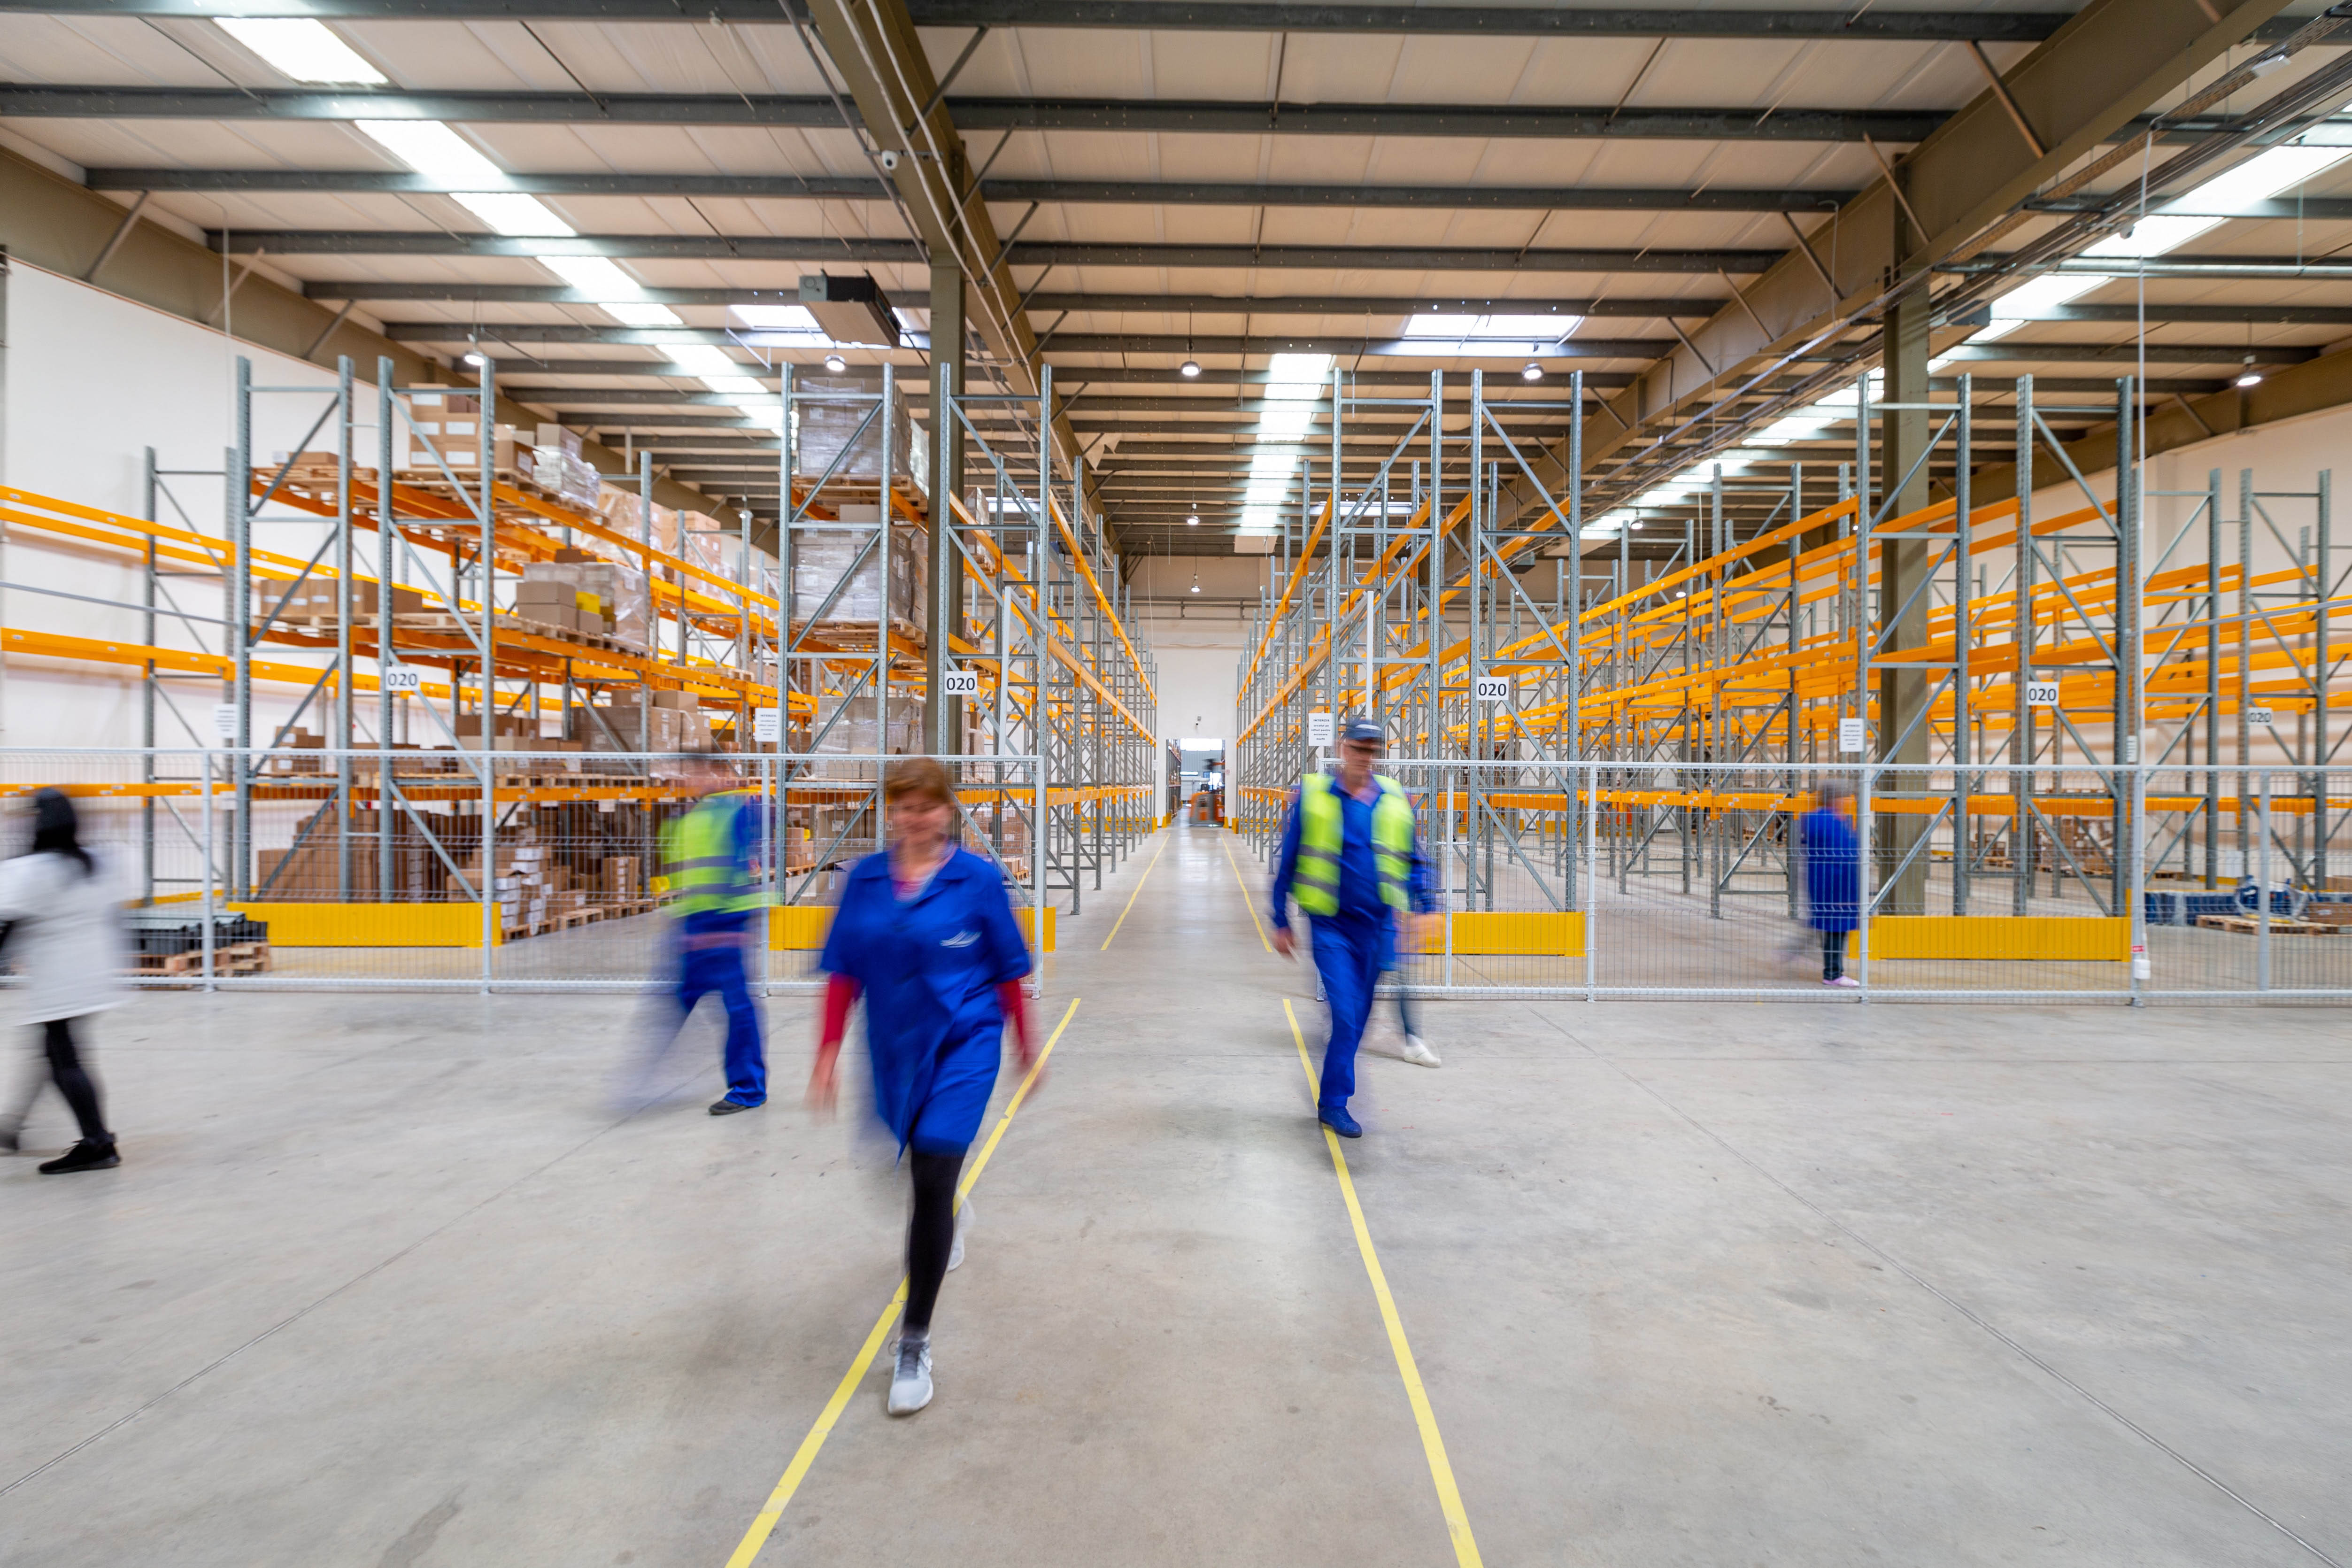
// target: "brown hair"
[[918, 776]]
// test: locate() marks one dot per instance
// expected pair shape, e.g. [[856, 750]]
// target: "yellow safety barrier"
[[801, 928], [1497, 932], [2045, 938], [368, 925]]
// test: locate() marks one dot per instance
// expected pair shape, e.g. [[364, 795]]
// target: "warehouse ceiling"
[[615, 203]]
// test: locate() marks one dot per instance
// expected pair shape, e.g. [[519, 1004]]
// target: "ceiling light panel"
[[435, 151], [299, 48]]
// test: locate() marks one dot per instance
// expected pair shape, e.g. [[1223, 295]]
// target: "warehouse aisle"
[[383, 1283]]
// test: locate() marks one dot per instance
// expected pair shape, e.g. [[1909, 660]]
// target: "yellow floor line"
[[764, 1524], [1248, 902], [1441, 1471], [1132, 897]]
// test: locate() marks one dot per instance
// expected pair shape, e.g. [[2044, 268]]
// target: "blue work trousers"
[[1347, 957], [700, 972]]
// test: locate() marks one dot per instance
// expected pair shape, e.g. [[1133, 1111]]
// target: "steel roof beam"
[[1843, 23], [1041, 253], [1127, 193], [459, 294], [813, 112], [517, 333]]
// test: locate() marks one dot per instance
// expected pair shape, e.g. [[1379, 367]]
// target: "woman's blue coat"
[[1833, 870], [929, 968]]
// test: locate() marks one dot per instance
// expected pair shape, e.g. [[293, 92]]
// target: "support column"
[[942, 717], [1902, 596]]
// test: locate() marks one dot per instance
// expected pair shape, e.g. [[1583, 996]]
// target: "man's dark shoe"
[[730, 1107], [1337, 1118], [83, 1156]]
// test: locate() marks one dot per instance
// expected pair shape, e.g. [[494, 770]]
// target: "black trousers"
[[1832, 955], [73, 1079], [930, 1233]]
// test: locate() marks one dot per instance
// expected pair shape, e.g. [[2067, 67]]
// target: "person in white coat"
[[65, 940]]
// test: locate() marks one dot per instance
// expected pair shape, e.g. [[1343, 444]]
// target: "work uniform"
[[1832, 882], [1354, 865], [928, 965], [707, 858]]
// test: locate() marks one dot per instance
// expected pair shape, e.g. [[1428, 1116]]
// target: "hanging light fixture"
[[835, 364], [1196, 579], [2249, 376], [1190, 369], [1192, 519], [1533, 373]]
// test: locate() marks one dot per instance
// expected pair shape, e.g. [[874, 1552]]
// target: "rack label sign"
[[2258, 715], [2041, 694], [1851, 738], [767, 727], [959, 683], [1494, 688], [401, 681], [1319, 728], [224, 721]]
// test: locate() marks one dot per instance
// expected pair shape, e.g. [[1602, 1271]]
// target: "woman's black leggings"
[[930, 1234], [73, 1079], [1832, 955]]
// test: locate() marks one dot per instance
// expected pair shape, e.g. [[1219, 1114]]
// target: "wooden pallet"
[[2245, 925], [236, 958]]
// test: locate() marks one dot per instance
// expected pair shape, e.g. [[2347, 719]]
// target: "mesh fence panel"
[[447, 869]]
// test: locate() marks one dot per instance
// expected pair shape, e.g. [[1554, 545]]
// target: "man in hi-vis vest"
[[710, 861], [1349, 856]]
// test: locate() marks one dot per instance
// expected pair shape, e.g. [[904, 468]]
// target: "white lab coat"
[[68, 944]]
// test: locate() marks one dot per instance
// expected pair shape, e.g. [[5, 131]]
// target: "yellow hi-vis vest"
[[1315, 882], [699, 861]]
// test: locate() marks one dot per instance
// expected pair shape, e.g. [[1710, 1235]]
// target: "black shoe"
[[83, 1156], [728, 1107]]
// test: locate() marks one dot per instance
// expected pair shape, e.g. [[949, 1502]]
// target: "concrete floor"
[[385, 1281]]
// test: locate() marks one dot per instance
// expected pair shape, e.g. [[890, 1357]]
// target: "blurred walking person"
[[710, 860], [927, 935], [1394, 946], [1350, 858], [1832, 876], [66, 940]]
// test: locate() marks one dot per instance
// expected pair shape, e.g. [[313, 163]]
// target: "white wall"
[[93, 380]]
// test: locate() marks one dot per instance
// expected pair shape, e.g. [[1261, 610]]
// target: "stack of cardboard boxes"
[[555, 466], [451, 422], [670, 721], [315, 599]]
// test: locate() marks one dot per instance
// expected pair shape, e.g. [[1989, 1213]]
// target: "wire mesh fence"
[[1671, 877], [512, 870]]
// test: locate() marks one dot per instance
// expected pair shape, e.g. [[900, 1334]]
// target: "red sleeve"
[[840, 996], [1015, 1003]]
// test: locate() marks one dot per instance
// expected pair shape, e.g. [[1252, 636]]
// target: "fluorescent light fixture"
[[511, 214], [297, 48], [435, 151]]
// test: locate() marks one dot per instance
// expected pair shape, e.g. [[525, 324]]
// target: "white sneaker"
[[911, 1383], [1844, 982], [1417, 1052], [963, 1224]]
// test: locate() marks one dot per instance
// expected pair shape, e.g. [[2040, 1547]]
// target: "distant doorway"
[[1201, 781]]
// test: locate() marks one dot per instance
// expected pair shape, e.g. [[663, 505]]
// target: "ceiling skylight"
[[2274, 172], [299, 48], [511, 214], [435, 151]]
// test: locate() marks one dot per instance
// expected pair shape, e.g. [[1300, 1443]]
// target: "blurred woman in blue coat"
[[926, 935], [1832, 876]]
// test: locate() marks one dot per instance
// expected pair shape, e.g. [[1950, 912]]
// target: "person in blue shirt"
[[927, 935], [1351, 857], [710, 864], [1832, 876]]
